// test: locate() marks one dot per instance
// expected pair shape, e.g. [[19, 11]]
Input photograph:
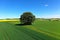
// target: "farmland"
[[39, 30]]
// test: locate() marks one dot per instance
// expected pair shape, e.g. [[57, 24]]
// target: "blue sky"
[[40, 8]]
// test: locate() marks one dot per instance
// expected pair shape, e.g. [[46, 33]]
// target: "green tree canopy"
[[27, 18]]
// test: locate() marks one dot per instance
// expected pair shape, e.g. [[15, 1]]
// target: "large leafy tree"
[[27, 18]]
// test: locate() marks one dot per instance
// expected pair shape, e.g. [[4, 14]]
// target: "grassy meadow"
[[39, 30]]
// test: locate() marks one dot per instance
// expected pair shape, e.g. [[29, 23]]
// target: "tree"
[[27, 18]]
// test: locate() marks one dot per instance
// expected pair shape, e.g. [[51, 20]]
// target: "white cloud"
[[46, 5], [51, 16], [56, 16]]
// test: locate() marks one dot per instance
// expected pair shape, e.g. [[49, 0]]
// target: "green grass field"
[[39, 30]]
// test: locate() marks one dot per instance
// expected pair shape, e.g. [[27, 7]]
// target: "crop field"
[[39, 30]]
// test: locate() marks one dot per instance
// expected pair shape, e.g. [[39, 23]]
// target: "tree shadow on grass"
[[22, 24]]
